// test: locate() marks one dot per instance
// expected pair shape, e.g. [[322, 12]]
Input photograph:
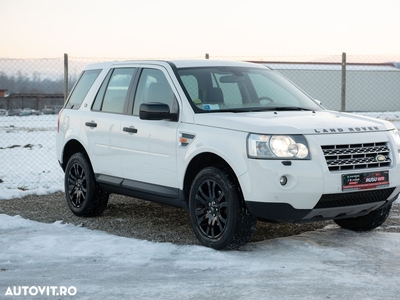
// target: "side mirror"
[[156, 111]]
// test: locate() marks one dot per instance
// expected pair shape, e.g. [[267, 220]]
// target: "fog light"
[[283, 180]]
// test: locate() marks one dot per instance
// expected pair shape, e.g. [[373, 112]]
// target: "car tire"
[[217, 210], [368, 222], [84, 197]]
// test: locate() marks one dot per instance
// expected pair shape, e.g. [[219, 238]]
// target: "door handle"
[[129, 129], [91, 124]]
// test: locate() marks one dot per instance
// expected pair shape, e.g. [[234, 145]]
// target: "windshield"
[[239, 89]]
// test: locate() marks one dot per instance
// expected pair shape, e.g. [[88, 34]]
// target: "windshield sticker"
[[210, 106], [197, 101]]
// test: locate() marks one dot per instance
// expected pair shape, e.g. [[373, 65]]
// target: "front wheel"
[[370, 221], [82, 193], [218, 214]]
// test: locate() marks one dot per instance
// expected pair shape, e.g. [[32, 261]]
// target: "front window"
[[153, 86], [213, 89]]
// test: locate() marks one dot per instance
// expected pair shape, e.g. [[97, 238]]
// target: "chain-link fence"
[[352, 86], [33, 90]]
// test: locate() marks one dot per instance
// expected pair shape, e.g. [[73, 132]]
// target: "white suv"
[[229, 141]]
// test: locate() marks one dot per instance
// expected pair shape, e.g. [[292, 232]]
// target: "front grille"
[[356, 156], [347, 199]]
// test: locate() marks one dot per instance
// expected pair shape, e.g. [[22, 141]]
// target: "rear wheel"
[[82, 193], [368, 222], [218, 214]]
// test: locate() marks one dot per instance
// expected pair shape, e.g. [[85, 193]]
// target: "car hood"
[[293, 122]]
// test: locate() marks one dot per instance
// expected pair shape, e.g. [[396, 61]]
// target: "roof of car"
[[177, 63]]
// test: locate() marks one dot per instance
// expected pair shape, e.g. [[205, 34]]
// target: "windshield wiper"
[[283, 108], [241, 109], [257, 109]]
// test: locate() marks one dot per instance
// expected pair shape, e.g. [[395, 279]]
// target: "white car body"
[[155, 159]]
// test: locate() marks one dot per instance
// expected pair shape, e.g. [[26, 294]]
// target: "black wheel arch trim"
[[70, 148]]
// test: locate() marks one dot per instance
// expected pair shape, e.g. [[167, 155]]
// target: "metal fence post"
[[65, 76], [343, 97]]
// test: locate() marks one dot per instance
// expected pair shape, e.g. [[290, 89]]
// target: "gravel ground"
[[130, 217]]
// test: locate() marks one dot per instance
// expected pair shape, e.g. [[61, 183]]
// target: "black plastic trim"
[[276, 212], [142, 190], [354, 198], [91, 124], [129, 130], [284, 212]]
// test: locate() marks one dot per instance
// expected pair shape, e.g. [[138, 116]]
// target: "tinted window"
[[190, 82], [114, 91], [154, 87], [81, 88], [269, 89], [241, 89], [98, 101], [230, 90]]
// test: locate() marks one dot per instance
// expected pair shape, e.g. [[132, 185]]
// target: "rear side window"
[[82, 88], [114, 91]]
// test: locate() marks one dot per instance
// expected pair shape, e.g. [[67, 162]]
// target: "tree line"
[[24, 84]]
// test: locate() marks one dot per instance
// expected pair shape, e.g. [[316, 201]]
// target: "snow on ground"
[[326, 264], [47, 261], [28, 161]]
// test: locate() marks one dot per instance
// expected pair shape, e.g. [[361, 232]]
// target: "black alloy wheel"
[[77, 185], [211, 209], [218, 214], [82, 193]]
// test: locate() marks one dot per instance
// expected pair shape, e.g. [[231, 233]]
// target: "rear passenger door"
[[149, 146], [103, 123]]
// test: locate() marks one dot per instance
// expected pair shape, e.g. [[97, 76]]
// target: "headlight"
[[277, 146]]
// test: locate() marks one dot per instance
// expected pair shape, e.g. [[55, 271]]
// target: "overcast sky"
[[189, 29]]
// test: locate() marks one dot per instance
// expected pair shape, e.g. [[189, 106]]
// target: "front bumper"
[[330, 206], [312, 191]]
